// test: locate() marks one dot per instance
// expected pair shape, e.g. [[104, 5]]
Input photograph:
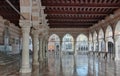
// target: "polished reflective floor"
[[70, 65]]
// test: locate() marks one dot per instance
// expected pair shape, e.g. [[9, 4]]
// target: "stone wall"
[[14, 34]]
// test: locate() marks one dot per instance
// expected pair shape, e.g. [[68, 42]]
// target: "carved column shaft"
[[35, 47], [25, 67], [40, 50]]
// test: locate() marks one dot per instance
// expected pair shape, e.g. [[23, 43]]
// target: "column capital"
[[25, 23], [35, 33], [25, 26]]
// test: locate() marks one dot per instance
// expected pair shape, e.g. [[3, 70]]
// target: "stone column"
[[46, 48], [25, 66], [40, 50], [100, 45], [89, 49], [43, 49], [117, 48], [46, 45], [35, 47], [75, 51], [106, 45], [60, 47]]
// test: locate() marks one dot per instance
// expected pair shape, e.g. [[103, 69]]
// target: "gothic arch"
[[90, 42], [82, 43], [117, 41], [117, 28], [67, 43], [95, 36], [109, 39], [54, 43], [101, 40]]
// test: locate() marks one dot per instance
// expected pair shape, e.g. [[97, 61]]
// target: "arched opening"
[[95, 41], [110, 47], [101, 41], [90, 43], [67, 44], [109, 39], [82, 44], [54, 43], [117, 41]]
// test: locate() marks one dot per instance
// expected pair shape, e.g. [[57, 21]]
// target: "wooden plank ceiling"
[[66, 13], [78, 13]]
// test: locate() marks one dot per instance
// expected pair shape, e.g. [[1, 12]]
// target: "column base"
[[25, 70]]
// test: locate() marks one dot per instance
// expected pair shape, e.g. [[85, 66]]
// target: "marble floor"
[[69, 65]]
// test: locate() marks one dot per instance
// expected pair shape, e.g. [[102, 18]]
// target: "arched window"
[[95, 41], [117, 39], [82, 43], [54, 43], [109, 32], [109, 40], [117, 29], [67, 43], [90, 42], [101, 41]]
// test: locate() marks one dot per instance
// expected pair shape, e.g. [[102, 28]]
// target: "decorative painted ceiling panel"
[[78, 13]]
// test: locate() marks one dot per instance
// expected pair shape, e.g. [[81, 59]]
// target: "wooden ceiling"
[[78, 13], [66, 13], [8, 12]]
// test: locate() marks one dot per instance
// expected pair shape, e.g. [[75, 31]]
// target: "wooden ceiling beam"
[[70, 26], [80, 19], [74, 17], [71, 23], [77, 22], [84, 4], [75, 12]]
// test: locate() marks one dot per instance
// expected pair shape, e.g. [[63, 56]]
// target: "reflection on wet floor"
[[70, 65]]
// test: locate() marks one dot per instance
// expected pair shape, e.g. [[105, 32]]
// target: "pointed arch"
[[101, 40], [117, 28], [95, 41], [90, 42], [101, 34], [90, 37], [95, 35], [54, 43], [67, 36], [54, 37], [109, 32], [68, 43], [81, 44], [82, 37], [109, 39], [117, 41]]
